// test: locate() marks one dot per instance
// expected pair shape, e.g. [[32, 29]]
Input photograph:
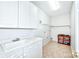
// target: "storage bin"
[[64, 39], [67, 39], [61, 38]]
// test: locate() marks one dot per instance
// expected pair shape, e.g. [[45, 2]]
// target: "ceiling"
[[65, 7]]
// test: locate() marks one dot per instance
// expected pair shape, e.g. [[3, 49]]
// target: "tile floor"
[[56, 50]]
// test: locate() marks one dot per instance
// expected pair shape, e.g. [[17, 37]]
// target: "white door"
[[8, 14]]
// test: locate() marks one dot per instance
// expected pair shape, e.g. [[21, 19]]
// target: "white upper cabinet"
[[34, 21], [24, 15], [8, 14], [44, 19], [27, 15]]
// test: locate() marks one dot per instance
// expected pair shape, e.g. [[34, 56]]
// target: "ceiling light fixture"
[[54, 5]]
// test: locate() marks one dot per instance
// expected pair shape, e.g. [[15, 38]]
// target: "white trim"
[[73, 53]]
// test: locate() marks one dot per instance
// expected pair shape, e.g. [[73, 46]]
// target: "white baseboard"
[[77, 54], [74, 53]]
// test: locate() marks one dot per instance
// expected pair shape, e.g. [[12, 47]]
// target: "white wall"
[[60, 25], [76, 4], [45, 33], [60, 20], [77, 27], [73, 27], [59, 30]]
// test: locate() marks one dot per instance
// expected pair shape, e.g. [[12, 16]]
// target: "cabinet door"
[[34, 50], [33, 16], [43, 17], [24, 14], [27, 15], [8, 14]]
